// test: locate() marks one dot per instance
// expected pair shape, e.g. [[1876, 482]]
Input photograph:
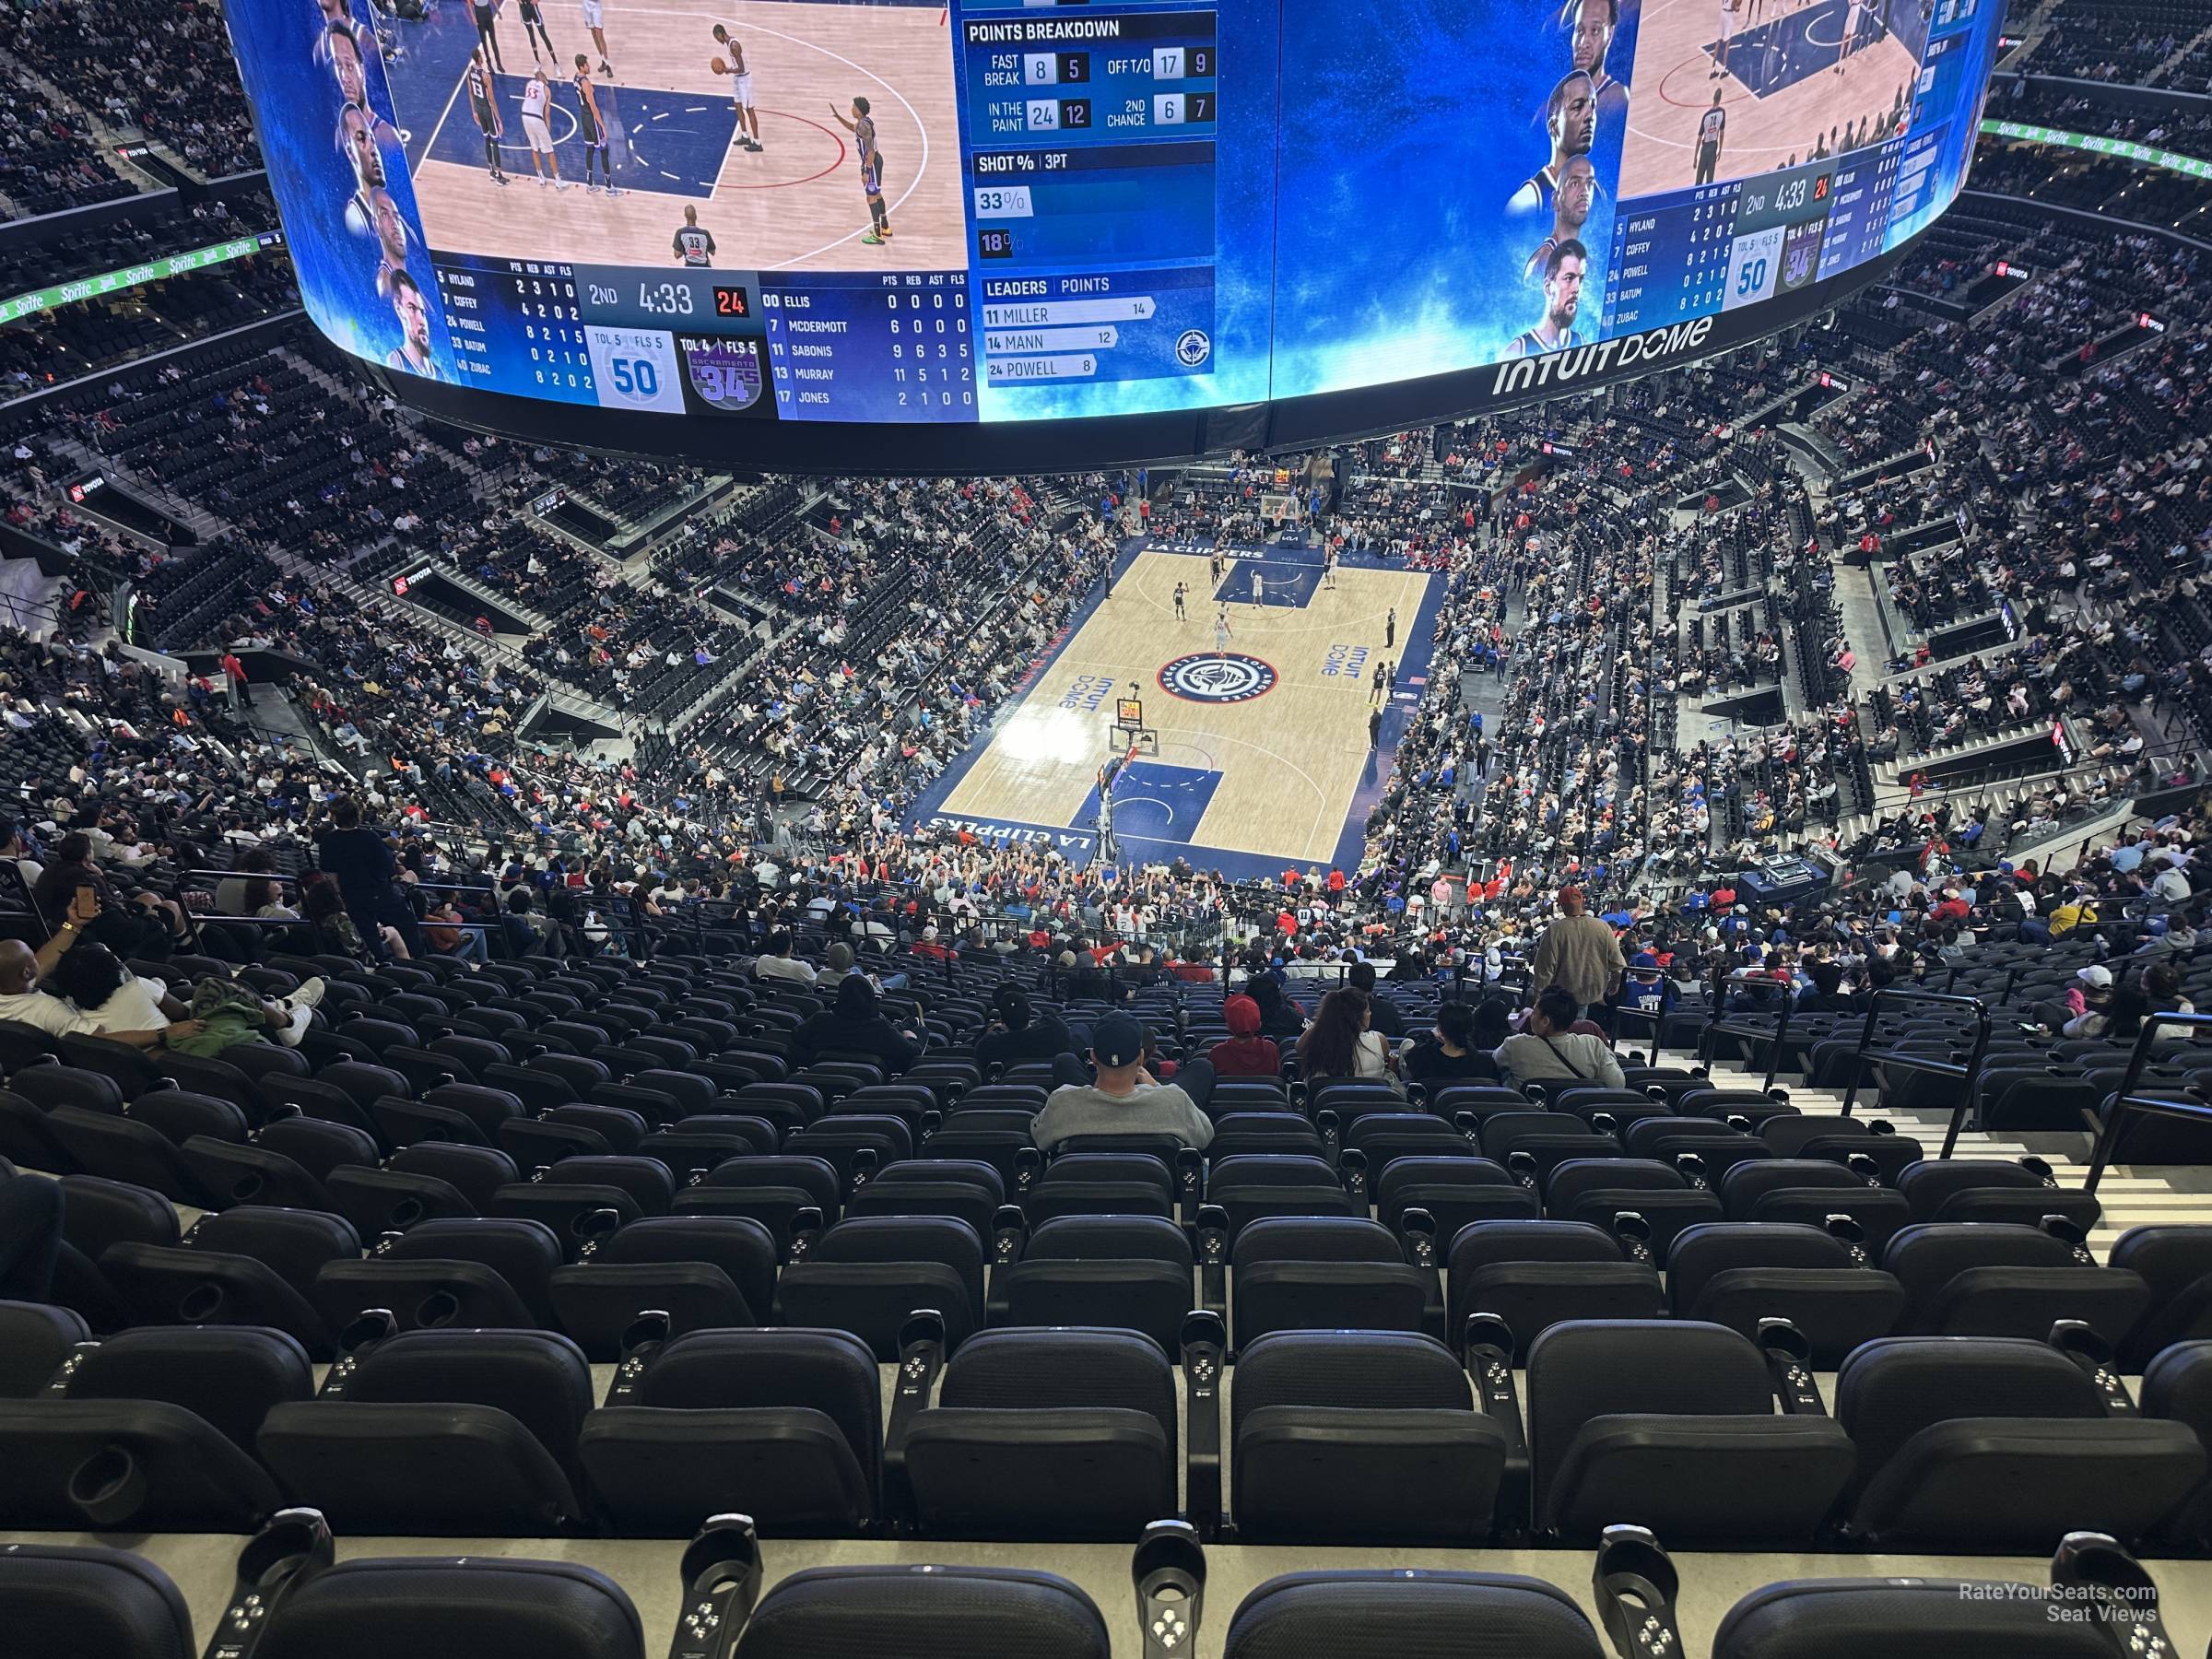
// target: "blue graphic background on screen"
[[296, 106], [1406, 129], [1243, 243]]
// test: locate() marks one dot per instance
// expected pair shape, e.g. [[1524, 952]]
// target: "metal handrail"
[[1718, 1024], [2127, 1103], [1967, 1075]]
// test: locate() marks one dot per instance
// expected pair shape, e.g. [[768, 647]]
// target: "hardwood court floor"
[[1281, 768], [797, 205], [1782, 92]]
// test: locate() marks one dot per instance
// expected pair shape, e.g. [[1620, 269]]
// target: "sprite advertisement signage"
[[130, 276], [2196, 167]]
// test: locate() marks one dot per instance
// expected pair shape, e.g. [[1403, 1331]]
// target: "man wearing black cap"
[[1126, 1098], [1017, 1032]]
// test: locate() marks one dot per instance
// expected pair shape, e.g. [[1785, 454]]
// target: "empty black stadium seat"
[[1867, 1618], [35, 1337], [487, 1607], [1998, 1444], [1383, 1423], [1384, 1615], [1124, 1272], [1068, 1433], [82, 1602], [783, 1425], [173, 1285], [866, 1275], [1737, 1273], [944, 1613], [124, 1466], [1670, 1425], [1535, 1274], [2176, 1263], [1997, 1279], [443, 1433]]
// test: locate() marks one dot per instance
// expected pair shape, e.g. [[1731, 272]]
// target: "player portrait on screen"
[[391, 238], [1593, 23], [356, 137], [1570, 119], [344, 49], [413, 311], [1570, 207], [1563, 270]]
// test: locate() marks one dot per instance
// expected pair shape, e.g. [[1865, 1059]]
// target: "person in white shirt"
[[16, 849], [778, 962], [21, 969]]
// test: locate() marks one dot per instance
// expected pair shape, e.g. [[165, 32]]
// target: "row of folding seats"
[[455, 1235], [1954, 1443], [725, 1164], [293, 1600]]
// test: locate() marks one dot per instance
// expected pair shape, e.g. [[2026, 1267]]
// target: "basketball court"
[[1781, 88], [1246, 759], [794, 205]]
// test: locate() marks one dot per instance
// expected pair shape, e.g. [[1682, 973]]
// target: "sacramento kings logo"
[[1208, 679]]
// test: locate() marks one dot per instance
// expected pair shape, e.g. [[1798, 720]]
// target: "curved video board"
[[865, 234]]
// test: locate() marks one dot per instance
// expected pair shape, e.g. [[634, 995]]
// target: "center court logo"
[[1206, 677]]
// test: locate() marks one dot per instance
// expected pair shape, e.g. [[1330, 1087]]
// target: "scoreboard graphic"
[[855, 213]]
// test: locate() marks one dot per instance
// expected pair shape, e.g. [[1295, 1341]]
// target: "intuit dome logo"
[[1231, 677], [1606, 356]]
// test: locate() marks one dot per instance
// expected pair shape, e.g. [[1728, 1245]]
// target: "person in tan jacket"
[[1579, 953]]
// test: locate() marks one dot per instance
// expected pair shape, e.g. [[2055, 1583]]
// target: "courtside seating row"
[[293, 1600]]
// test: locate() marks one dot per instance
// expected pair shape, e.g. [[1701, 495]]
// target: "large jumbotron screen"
[[781, 227]]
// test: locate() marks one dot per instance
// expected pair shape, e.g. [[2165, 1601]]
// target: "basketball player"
[[537, 103], [391, 238], [534, 31], [1571, 206], [741, 92], [594, 19], [1562, 294], [1594, 23], [359, 142], [413, 352], [1853, 19], [345, 64], [1179, 592], [487, 15], [484, 104], [693, 245], [1259, 587], [1328, 569], [1712, 126], [1214, 566], [862, 128], [591, 126], [1221, 632], [1571, 117], [1720, 62]]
